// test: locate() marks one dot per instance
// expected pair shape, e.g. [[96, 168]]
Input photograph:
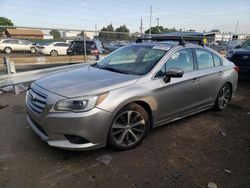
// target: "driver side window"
[[182, 59]]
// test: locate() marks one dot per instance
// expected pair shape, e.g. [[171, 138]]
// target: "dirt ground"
[[207, 147]]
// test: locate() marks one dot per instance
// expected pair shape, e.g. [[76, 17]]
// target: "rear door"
[[14, 45], [210, 73], [24, 45], [61, 48]]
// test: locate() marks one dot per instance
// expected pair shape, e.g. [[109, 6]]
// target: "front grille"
[[36, 100]]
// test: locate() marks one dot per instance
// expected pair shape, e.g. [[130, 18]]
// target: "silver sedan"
[[117, 100]]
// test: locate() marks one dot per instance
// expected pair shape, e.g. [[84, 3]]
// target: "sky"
[[85, 14]]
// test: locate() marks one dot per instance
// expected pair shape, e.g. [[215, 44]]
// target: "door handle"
[[220, 73], [195, 80]]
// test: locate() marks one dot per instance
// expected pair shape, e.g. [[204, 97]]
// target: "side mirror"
[[237, 46], [173, 73]]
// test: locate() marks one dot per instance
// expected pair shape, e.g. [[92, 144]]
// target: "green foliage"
[[114, 36], [160, 29], [56, 34], [107, 36], [122, 28], [121, 36], [5, 21]]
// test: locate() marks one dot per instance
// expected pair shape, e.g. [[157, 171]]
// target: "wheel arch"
[[148, 104]]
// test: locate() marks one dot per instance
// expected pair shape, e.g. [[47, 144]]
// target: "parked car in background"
[[92, 47], [68, 41], [219, 46], [116, 101], [112, 47], [16, 45], [241, 57], [54, 48]]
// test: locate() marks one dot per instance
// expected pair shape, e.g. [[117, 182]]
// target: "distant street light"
[[158, 20]]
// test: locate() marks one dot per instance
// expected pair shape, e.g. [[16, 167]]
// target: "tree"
[[122, 28], [107, 36], [123, 35], [5, 21], [56, 34], [160, 29]]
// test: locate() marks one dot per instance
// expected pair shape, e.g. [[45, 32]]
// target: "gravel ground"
[[207, 147]]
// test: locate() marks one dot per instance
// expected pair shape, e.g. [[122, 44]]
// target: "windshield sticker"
[[161, 48]]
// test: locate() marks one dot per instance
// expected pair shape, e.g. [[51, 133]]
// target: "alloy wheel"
[[128, 128], [224, 97]]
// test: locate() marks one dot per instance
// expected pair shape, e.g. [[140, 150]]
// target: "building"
[[24, 33]]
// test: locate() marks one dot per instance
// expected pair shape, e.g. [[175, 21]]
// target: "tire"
[[224, 97], [123, 135], [7, 50], [32, 50], [54, 53]]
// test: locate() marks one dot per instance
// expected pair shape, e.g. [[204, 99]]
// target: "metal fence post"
[[85, 51], [11, 70]]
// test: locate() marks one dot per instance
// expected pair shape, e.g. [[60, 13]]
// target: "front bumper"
[[53, 127]]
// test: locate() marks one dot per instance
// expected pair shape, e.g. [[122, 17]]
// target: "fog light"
[[76, 139]]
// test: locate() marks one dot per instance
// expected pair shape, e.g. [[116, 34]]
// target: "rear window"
[[77, 44], [10, 41], [217, 60], [90, 44], [204, 59]]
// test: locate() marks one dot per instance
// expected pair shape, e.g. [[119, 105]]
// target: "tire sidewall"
[[135, 107], [53, 53], [32, 50], [217, 106], [10, 50]]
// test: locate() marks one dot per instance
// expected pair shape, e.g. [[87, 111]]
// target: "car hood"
[[85, 81], [241, 51]]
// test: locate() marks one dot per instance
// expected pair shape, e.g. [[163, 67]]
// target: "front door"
[[180, 94]]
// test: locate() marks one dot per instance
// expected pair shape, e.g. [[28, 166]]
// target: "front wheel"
[[224, 97], [129, 127]]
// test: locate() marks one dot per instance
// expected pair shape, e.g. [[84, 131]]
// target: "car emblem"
[[245, 57], [33, 97]]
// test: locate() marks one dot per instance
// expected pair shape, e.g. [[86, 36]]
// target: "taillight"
[[237, 69], [95, 52]]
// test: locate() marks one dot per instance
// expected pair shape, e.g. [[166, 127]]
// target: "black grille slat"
[[34, 108], [39, 97], [36, 101], [38, 126]]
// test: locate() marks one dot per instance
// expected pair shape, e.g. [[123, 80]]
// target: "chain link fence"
[[38, 48]]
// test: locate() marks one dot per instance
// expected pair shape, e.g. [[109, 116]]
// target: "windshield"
[[246, 45], [132, 59]]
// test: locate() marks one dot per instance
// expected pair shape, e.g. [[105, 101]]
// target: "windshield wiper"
[[113, 70]]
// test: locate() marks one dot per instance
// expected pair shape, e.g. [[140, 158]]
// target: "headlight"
[[80, 104]]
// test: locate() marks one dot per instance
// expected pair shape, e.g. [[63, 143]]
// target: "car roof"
[[168, 44]]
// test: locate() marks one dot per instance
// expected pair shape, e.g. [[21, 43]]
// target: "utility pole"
[[236, 28], [96, 30], [158, 20], [141, 27], [150, 20]]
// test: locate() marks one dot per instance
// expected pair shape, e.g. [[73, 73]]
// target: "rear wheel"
[[129, 127], [54, 53], [224, 97], [32, 50], [7, 50]]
